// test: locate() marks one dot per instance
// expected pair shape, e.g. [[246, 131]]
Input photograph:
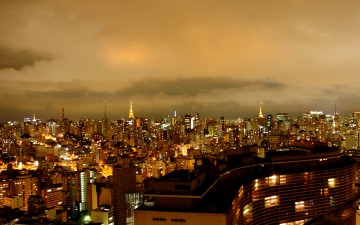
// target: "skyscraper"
[[187, 122], [124, 183], [222, 122]]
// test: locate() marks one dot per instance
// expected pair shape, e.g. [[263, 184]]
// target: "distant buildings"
[[181, 168]]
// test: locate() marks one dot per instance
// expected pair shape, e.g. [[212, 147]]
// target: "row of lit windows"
[[323, 188], [55, 189], [274, 201], [270, 181], [281, 179], [271, 201], [256, 194]]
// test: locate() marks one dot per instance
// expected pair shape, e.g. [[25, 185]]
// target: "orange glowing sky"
[[212, 57]]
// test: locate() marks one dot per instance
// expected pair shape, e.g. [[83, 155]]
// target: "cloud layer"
[[219, 58]]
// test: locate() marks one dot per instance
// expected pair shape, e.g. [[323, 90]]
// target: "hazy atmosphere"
[[211, 57]]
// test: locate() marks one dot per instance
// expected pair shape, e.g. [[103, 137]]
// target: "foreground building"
[[288, 187]]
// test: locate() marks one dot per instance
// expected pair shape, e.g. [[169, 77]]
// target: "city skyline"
[[104, 115], [217, 59]]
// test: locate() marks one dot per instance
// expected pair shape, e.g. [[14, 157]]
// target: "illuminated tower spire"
[[131, 113], [260, 112]]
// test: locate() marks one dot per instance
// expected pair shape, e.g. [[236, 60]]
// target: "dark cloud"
[[12, 59], [196, 85]]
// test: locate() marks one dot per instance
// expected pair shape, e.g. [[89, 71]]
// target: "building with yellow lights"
[[155, 167], [288, 187], [24, 186], [103, 214], [14, 202], [4, 188], [53, 196]]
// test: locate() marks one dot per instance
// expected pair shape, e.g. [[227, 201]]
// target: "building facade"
[[284, 188]]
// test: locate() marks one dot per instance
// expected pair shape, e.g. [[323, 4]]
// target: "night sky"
[[215, 58]]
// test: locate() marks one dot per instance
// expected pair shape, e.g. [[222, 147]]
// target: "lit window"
[[332, 200], [247, 210], [331, 182], [324, 191], [282, 179], [271, 201], [256, 184], [271, 181], [299, 206]]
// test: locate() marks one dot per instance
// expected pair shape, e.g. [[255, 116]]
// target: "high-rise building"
[[124, 182], [53, 196], [187, 122], [355, 119], [287, 188], [269, 122], [4, 188], [71, 187], [222, 122], [283, 121], [24, 186], [84, 179]]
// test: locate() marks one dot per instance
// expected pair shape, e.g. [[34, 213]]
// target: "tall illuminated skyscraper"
[[131, 113]]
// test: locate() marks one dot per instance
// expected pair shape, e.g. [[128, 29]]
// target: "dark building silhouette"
[[124, 182]]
